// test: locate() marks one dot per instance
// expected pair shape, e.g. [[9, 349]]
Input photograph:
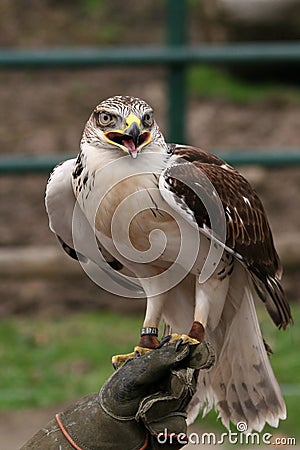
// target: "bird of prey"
[[186, 229]]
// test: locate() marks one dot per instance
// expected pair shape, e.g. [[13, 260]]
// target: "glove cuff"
[[88, 426]]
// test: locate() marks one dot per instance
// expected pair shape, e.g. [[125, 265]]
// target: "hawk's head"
[[124, 124]]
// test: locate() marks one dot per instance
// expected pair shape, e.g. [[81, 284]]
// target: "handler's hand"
[[141, 406]]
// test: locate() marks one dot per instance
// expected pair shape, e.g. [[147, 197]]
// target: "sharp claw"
[[164, 341], [178, 344], [118, 360]]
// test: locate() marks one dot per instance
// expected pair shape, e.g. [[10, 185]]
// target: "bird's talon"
[[179, 339], [178, 344], [141, 351], [118, 360], [164, 341]]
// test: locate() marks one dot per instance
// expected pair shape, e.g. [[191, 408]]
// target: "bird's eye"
[[148, 119], [105, 118]]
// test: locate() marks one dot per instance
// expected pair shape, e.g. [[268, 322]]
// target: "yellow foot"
[[117, 360], [182, 339], [204, 355]]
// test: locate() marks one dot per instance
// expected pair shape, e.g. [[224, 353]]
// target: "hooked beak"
[[132, 139]]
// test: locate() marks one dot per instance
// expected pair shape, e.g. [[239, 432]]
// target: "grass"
[[214, 83], [49, 361], [45, 362]]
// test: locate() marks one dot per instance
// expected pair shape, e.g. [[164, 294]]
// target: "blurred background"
[[57, 327]]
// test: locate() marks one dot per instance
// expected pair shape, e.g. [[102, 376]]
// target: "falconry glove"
[[141, 406]]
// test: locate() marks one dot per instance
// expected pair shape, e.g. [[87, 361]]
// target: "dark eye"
[[148, 119], [105, 118]]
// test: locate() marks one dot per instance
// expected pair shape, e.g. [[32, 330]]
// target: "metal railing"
[[229, 54], [22, 164]]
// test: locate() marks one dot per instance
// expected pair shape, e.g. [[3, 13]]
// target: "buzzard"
[[185, 229]]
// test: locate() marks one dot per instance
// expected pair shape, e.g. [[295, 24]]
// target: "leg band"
[[149, 330]]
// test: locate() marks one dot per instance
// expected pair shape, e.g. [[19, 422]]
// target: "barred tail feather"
[[241, 386]]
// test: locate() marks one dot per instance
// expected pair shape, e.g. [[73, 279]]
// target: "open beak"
[[132, 139]]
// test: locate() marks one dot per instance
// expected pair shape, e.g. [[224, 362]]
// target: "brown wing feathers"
[[248, 230]]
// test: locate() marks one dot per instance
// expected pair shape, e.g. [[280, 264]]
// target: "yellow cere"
[[131, 119]]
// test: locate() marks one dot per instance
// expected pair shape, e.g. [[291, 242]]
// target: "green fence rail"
[[21, 164], [84, 57]]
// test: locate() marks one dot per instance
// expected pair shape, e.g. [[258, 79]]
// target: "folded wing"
[[248, 234], [68, 223]]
